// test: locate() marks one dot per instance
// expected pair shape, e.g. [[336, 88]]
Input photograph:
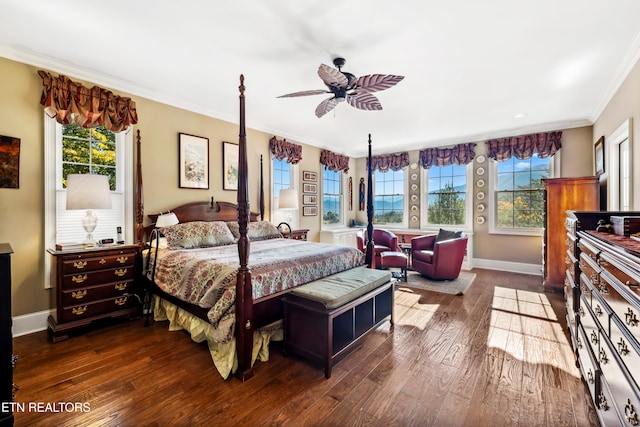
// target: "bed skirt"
[[223, 354]]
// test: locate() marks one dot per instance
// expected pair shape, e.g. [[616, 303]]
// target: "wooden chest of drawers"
[[92, 284], [606, 309]]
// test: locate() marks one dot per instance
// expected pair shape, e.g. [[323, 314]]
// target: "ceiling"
[[473, 70]]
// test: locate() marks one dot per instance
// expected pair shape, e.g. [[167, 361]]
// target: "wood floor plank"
[[498, 355]]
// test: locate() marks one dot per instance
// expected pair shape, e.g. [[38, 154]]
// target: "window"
[[447, 195], [73, 149], [519, 193], [331, 197], [388, 197], [283, 179]]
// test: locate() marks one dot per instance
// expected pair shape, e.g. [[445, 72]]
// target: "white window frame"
[[342, 214], [612, 163], [405, 203], [290, 216], [53, 180], [424, 202], [554, 170]]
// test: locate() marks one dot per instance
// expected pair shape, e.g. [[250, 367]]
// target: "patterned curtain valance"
[[333, 161], [395, 162], [460, 154], [523, 147], [68, 101], [284, 150]]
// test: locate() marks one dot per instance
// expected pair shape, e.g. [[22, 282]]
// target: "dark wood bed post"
[[261, 191], [369, 258], [244, 296], [139, 195]]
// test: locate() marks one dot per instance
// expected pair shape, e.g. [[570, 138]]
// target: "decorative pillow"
[[162, 243], [198, 234], [259, 230], [447, 235]]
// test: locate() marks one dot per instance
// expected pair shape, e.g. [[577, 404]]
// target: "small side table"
[[406, 249]]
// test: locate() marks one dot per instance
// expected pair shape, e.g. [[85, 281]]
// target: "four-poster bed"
[[253, 306]]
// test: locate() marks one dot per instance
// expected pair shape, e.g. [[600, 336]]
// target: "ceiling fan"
[[347, 87]]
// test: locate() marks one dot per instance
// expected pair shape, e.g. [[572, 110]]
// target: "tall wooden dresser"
[[563, 194], [6, 340], [602, 290]]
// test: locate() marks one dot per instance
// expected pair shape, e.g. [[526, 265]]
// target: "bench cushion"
[[338, 289]]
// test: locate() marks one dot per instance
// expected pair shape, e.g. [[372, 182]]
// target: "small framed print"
[[229, 166], [599, 156], [309, 210], [309, 199], [193, 161], [309, 188], [309, 176]]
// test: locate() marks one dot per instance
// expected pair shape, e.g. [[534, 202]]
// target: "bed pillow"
[[447, 235], [259, 230], [198, 234]]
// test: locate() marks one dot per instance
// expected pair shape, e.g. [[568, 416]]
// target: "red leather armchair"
[[438, 259], [383, 240]]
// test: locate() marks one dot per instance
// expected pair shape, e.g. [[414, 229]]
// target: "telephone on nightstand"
[[120, 239]]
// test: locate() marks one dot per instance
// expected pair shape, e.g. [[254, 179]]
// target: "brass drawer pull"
[[80, 264], [630, 413], [79, 278], [602, 402], [622, 347], [78, 311], [630, 317], [79, 294], [120, 286], [120, 272], [120, 301], [102, 261], [603, 357], [122, 259]]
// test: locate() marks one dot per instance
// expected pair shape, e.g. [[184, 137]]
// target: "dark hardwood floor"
[[497, 356]]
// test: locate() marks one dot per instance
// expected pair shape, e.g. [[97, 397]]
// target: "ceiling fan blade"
[[325, 106], [376, 82], [332, 77], [364, 101], [304, 93]]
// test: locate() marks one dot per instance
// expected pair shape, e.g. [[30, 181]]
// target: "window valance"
[[523, 147], [284, 150], [68, 101], [460, 154], [394, 162], [333, 161]]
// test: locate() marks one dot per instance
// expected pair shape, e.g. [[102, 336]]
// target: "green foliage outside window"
[[88, 151], [446, 206]]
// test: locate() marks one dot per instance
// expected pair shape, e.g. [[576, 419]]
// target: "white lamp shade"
[[166, 220], [288, 199], [88, 191]]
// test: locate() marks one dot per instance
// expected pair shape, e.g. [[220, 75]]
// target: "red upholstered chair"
[[383, 240], [439, 256]]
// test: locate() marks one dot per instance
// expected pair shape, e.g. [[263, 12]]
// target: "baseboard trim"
[[512, 267], [30, 323]]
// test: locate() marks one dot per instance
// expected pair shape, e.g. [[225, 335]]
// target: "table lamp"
[[88, 191]]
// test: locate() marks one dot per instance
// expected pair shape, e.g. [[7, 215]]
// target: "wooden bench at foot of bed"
[[325, 319]]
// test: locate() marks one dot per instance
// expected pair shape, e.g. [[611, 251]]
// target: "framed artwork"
[[309, 176], [309, 210], [598, 156], [309, 188], [193, 161], [229, 166], [10, 159], [309, 199]]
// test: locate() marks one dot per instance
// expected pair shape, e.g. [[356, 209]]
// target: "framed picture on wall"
[[229, 166], [309, 176], [193, 161], [309, 199], [309, 210], [598, 156], [309, 188]]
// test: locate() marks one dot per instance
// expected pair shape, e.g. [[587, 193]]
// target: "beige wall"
[[625, 104]]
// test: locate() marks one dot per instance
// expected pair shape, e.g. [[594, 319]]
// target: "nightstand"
[[92, 284]]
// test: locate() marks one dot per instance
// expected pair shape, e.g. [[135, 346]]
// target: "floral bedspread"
[[207, 276]]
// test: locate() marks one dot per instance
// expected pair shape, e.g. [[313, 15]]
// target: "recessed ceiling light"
[[520, 116]]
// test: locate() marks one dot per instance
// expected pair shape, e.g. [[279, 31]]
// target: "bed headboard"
[[204, 211]]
